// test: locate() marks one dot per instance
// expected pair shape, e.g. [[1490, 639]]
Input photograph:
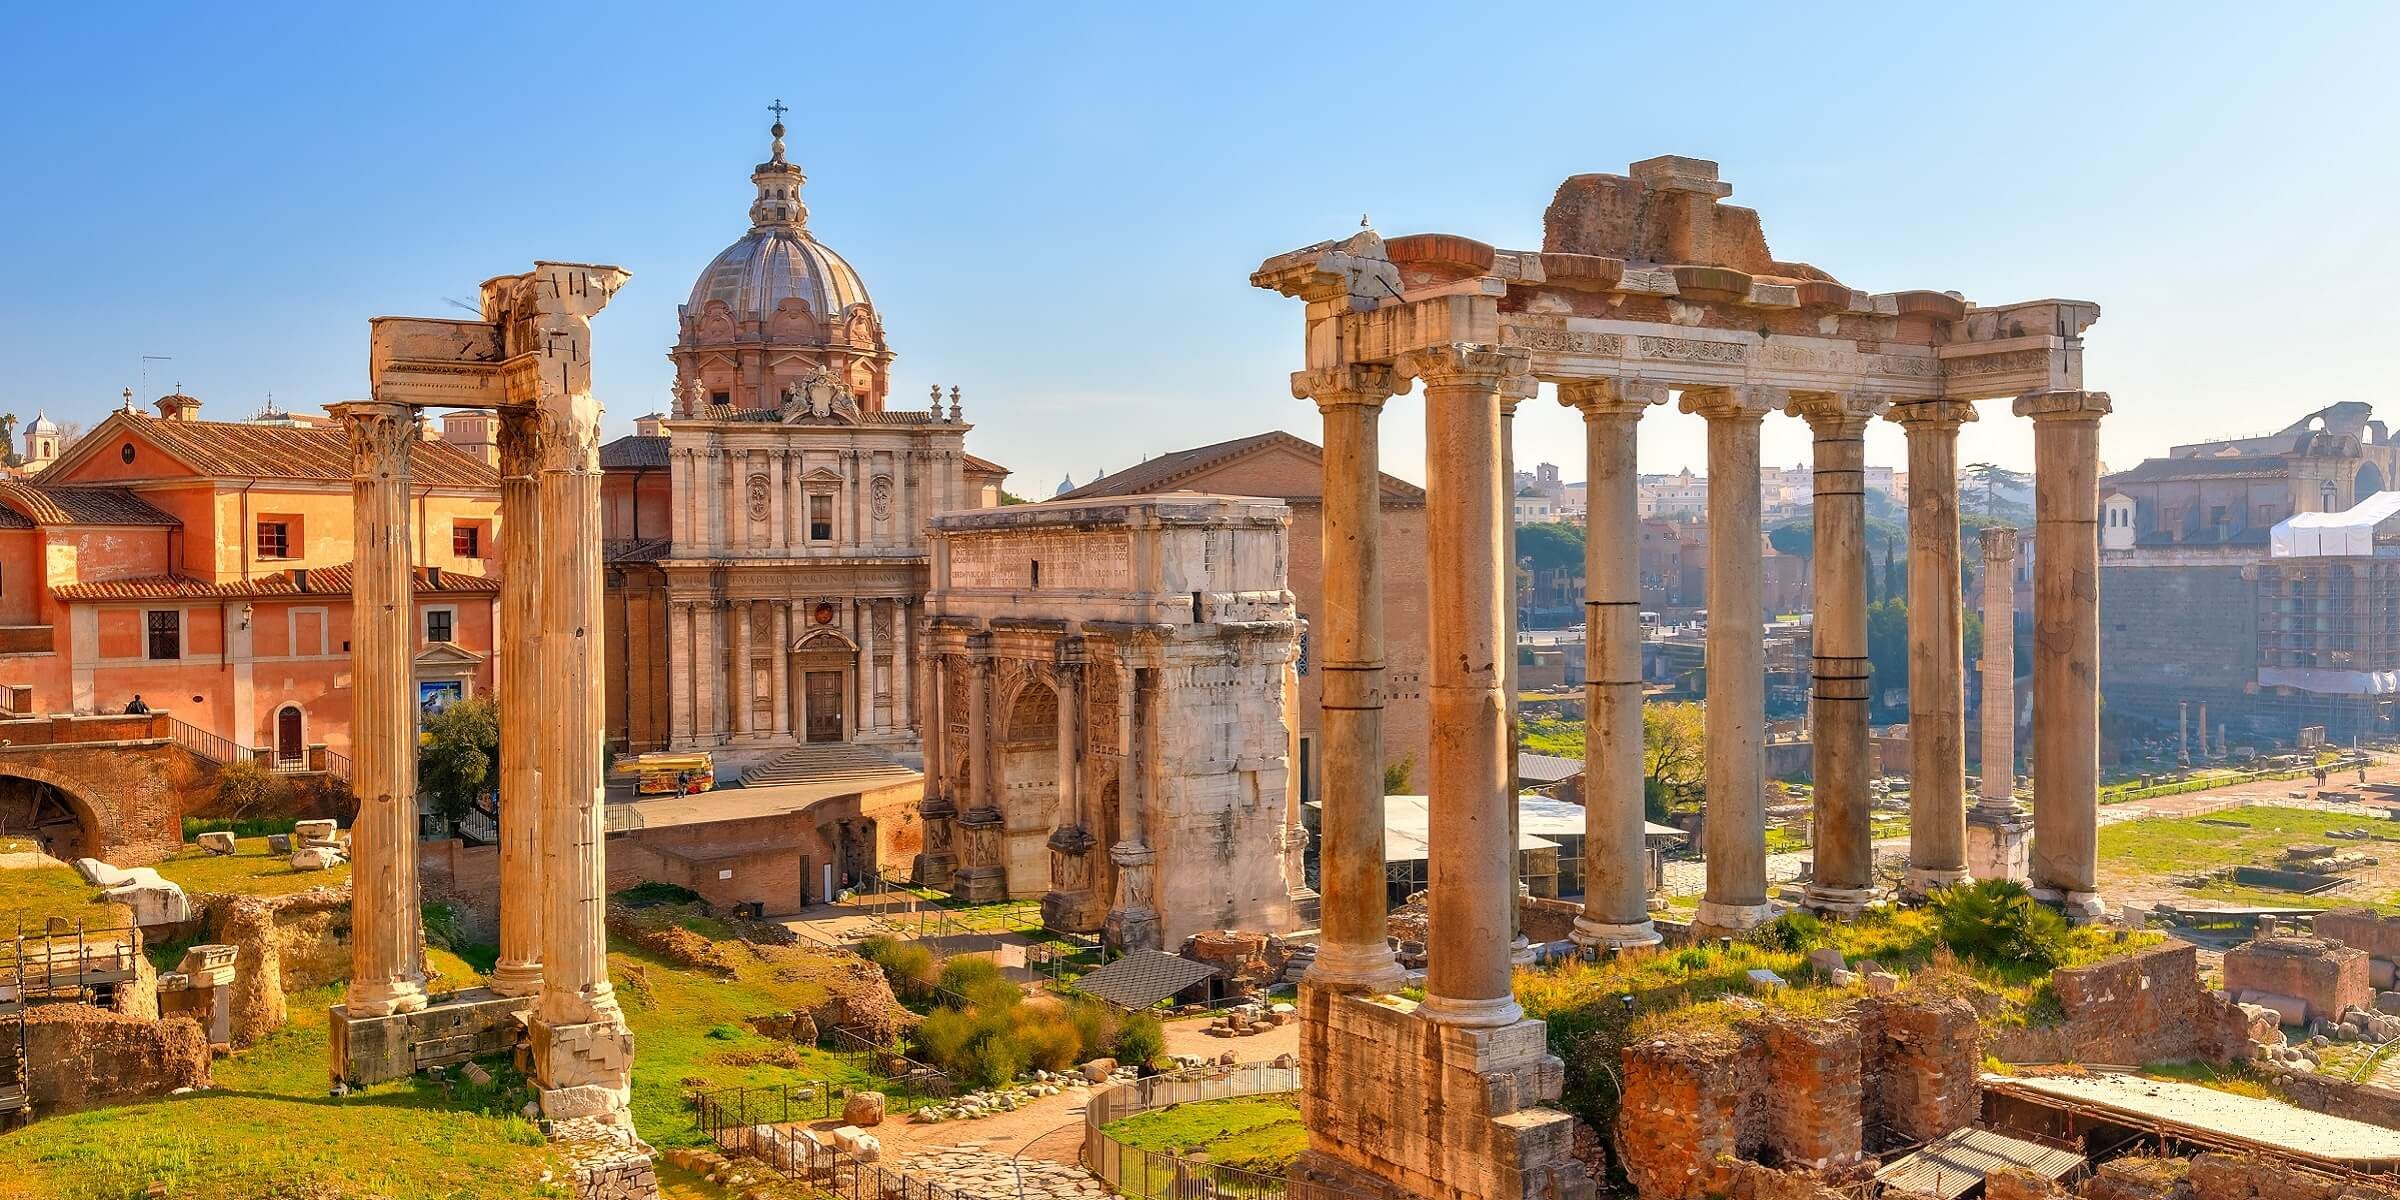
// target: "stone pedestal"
[[1999, 843], [1071, 903], [1133, 920], [982, 874], [472, 1024], [940, 865]]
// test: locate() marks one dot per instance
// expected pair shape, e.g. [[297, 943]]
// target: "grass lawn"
[[32, 895], [2236, 837], [250, 871], [1254, 1133]]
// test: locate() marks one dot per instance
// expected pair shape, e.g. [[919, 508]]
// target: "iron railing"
[[1153, 1175], [220, 750], [910, 1075]]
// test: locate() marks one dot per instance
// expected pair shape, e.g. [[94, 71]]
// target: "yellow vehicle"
[[670, 774]]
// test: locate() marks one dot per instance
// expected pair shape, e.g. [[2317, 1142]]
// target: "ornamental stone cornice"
[[2063, 406], [1505, 370]]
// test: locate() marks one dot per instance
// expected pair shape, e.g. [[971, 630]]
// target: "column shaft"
[[1842, 878], [1735, 836], [708, 672], [519, 970], [904, 713], [2066, 641], [1937, 739], [1999, 750], [1616, 875], [778, 529], [387, 947], [1471, 871], [1352, 951], [679, 673], [779, 666], [744, 693], [867, 722], [679, 486], [574, 881]]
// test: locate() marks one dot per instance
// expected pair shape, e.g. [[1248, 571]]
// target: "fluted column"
[[2066, 646], [904, 714], [940, 813], [1133, 920], [1352, 951], [582, 1055], [1937, 737], [387, 940], [982, 869], [779, 666], [1616, 874], [519, 970], [1735, 834], [1842, 876], [866, 668], [744, 692], [679, 674], [1472, 868]]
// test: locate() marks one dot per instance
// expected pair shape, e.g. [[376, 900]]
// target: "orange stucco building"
[[205, 567]]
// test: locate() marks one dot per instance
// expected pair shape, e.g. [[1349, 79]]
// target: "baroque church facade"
[[767, 537]]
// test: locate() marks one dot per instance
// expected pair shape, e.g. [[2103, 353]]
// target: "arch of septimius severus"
[[1646, 286]]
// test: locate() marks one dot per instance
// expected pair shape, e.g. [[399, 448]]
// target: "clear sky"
[[1056, 206]]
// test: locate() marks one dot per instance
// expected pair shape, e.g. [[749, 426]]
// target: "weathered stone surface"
[[315, 858], [863, 1109], [88, 1057], [2145, 1007], [216, 841], [2330, 977], [1699, 1107], [1922, 1055]]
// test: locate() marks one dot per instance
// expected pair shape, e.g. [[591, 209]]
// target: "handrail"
[[1131, 1171], [219, 750]]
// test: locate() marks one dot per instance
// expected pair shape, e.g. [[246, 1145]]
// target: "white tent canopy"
[[2348, 533]]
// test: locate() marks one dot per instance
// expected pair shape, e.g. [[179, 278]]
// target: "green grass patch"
[[251, 870], [258, 827], [30, 896], [1253, 1133], [2236, 837]]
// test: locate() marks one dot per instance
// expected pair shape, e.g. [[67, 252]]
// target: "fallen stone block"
[[315, 858], [863, 1109], [315, 831], [866, 1147], [217, 841], [1099, 1069], [154, 899], [2289, 1010], [1882, 983], [100, 874], [1827, 960], [279, 843], [475, 1074], [1760, 977], [2381, 972]]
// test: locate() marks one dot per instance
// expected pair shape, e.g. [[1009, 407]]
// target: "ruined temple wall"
[[2145, 1007], [1922, 1057], [2328, 977], [1690, 1101], [282, 945], [81, 1057], [2363, 929], [1218, 819]]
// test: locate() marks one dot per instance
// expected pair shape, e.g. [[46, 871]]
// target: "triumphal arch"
[[1113, 687], [1647, 287]]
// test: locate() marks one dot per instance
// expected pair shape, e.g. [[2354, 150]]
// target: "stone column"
[[2183, 732], [387, 940], [1070, 903], [795, 502], [1616, 858], [866, 668], [1352, 951], [982, 872], [737, 514], [679, 485], [679, 674], [2066, 646], [708, 672], [850, 490], [519, 971], [1520, 949], [779, 666], [937, 809], [2037, 628], [778, 530], [1472, 874], [1735, 835], [1937, 723], [582, 1055], [1997, 830], [744, 692], [904, 714], [1295, 833], [1133, 921], [1842, 876]]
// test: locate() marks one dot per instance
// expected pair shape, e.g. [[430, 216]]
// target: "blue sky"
[[1056, 206]]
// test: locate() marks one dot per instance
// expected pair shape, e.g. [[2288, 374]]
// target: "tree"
[[1395, 776], [1551, 546], [1796, 537], [1995, 486], [246, 788], [1674, 757], [458, 756], [1887, 645]]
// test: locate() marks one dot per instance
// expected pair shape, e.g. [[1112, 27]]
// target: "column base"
[[1719, 918], [1491, 1013], [1622, 935], [1366, 969], [1999, 843], [1921, 882], [584, 1071], [1074, 912], [516, 979], [1520, 952], [1132, 929], [979, 885], [2080, 908], [1838, 901], [386, 998]]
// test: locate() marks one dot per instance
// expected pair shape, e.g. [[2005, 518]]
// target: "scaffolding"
[[62, 962]]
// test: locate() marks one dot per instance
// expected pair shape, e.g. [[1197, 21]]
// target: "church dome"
[[772, 264]]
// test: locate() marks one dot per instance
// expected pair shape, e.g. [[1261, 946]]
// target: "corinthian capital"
[[1931, 415], [2063, 406], [1611, 397], [1507, 370], [380, 438], [1354, 383], [567, 440], [520, 442], [1835, 414], [1733, 403]]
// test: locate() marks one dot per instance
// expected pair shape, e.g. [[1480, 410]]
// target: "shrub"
[[980, 983], [1096, 1026], [247, 788], [943, 1037], [1792, 933], [242, 827], [1142, 1041], [991, 1061], [652, 894], [724, 1033], [1051, 1042], [1998, 923]]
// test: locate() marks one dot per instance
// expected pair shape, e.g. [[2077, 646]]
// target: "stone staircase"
[[821, 763]]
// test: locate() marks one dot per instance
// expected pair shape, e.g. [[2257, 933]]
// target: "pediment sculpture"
[[819, 398]]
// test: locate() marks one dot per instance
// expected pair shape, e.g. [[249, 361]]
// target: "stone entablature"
[[1112, 684]]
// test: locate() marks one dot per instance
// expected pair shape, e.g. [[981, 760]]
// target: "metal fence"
[[890, 1062], [764, 1124], [1156, 1176]]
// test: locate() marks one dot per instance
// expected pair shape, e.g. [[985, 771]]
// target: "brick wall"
[[2327, 976], [83, 1057], [2363, 928], [130, 790], [2146, 1007], [1922, 1057]]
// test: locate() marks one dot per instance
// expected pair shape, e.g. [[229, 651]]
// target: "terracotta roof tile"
[[634, 452], [1166, 472], [300, 581], [80, 504], [241, 448], [978, 463]]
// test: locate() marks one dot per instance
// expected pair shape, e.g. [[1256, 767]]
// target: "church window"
[[166, 633], [820, 517]]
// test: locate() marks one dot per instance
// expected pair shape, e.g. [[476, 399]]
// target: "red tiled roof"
[[240, 448], [300, 581], [70, 504], [978, 463], [1168, 472]]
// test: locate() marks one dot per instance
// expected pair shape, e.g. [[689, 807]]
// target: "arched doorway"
[[1029, 788], [823, 664], [2368, 482], [53, 818], [291, 736]]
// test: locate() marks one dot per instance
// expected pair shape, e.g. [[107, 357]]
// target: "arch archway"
[[1029, 765], [2367, 482], [57, 820]]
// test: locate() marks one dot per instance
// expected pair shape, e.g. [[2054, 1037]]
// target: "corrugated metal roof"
[[1546, 768], [1143, 978], [1956, 1162]]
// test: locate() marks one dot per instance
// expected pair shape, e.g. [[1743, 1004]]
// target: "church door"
[[288, 748], [824, 706]]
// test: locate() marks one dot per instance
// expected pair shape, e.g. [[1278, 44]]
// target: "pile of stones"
[[313, 845], [970, 1170], [1009, 1099], [1252, 1018]]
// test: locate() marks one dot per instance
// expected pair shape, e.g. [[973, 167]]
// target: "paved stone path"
[[981, 1173]]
